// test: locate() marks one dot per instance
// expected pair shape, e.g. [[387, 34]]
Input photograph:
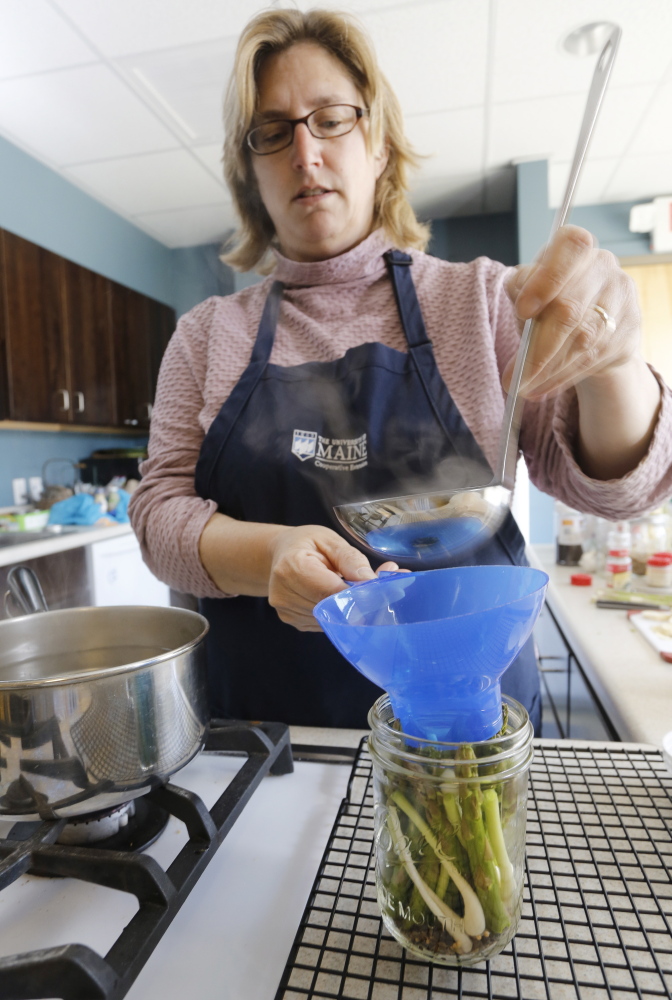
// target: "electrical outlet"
[[20, 492], [35, 488]]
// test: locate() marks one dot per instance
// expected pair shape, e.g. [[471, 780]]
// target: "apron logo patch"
[[341, 454], [304, 444]]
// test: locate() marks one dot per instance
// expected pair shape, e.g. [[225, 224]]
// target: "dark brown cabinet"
[[33, 334], [142, 328], [75, 347], [89, 346]]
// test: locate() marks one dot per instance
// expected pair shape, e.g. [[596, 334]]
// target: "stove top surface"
[[232, 935]]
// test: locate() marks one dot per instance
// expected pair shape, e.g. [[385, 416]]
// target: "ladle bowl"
[[428, 529], [438, 641]]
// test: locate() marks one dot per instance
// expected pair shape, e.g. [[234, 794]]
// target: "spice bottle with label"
[[568, 534], [659, 570]]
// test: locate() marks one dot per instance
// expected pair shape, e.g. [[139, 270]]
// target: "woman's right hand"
[[308, 564]]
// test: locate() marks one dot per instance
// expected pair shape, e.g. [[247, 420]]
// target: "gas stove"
[[93, 931]]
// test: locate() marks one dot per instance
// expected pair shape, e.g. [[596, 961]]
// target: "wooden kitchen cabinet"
[[89, 346], [75, 347], [141, 328], [32, 339]]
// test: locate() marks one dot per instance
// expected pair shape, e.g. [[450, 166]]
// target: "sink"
[[8, 538]]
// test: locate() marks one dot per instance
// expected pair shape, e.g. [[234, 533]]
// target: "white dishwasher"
[[118, 575]]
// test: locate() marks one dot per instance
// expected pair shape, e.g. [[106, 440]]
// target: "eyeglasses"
[[323, 123]]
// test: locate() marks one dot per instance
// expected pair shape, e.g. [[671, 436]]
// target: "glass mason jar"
[[449, 827]]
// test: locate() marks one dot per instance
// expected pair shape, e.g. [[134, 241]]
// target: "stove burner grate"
[[80, 971], [143, 823]]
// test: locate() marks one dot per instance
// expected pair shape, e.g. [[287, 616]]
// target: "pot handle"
[[25, 590]]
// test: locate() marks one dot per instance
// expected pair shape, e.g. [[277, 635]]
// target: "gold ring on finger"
[[609, 321]]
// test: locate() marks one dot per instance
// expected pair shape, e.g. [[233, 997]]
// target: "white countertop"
[[38, 547], [631, 680]]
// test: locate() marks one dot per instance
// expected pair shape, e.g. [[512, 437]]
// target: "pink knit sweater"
[[327, 308]]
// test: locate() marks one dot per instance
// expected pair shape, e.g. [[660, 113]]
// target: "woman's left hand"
[[572, 340]]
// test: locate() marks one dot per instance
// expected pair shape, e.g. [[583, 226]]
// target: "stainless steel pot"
[[97, 706]]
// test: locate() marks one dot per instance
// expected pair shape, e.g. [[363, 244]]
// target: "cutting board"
[[647, 626]]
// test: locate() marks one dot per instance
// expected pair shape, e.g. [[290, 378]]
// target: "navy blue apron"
[[287, 445]]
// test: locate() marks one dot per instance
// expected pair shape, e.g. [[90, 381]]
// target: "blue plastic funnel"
[[438, 642]]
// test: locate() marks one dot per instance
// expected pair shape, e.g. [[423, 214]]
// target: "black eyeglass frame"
[[359, 112]]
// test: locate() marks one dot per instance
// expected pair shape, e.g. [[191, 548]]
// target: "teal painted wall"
[[199, 273], [609, 223], [472, 236], [41, 206], [23, 453]]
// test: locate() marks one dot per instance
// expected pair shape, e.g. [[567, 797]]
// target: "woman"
[[360, 342]]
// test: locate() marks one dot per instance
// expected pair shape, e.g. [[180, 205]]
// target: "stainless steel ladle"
[[441, 526]]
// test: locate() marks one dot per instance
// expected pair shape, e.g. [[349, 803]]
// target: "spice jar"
[[618, 568], [449, 827], [569, 525], [659, 570]]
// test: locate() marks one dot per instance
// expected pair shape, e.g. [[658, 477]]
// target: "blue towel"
[[78, 509], [120, 512]]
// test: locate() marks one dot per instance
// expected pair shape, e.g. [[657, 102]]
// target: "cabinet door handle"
[[65, 399], [131, 423], [79, 396]]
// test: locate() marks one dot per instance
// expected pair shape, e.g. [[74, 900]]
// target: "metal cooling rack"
[[597, 917]]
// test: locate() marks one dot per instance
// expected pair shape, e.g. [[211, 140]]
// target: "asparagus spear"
[[479, 850], [447, 839], [496, 835], [474, 918], [447, 917]]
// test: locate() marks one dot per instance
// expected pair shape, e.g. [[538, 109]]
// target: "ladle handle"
[[25, 590], [514, 404]]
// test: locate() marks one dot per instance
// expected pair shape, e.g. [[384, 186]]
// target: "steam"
[[364, 453]]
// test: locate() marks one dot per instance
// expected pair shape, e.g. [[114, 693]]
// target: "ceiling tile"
[[187, 83], [641, 178], [655, 133], [77, 115], [149, 183], [120, 130], [35, 38], [190, 226], [545, 128], [550, 126], [434, 54], [211, 157], [529, 58], [120, 27], [452, 141], [592, 182]]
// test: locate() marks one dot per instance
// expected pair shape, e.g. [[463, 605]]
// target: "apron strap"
[[263, 345], [419, 345], [399, 266], [222, 426]]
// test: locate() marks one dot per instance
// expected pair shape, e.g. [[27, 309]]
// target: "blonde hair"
[[274, 31]]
